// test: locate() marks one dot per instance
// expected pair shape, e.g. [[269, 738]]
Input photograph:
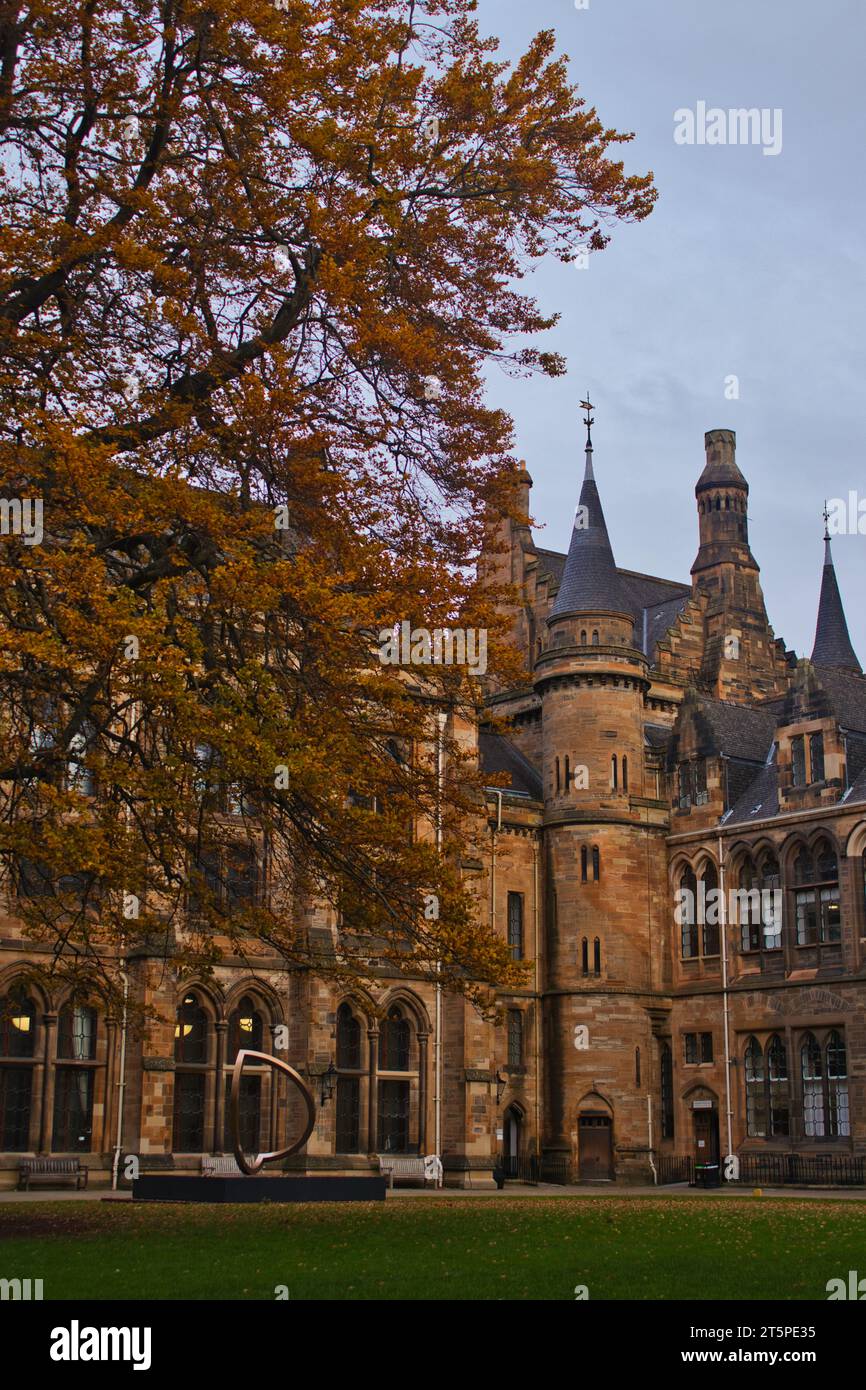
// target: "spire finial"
[[828, 555], [588, 419]]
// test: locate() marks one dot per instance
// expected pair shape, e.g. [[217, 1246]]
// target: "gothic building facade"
[[675, 843]]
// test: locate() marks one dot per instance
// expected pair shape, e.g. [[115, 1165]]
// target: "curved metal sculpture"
[[251, 1168]]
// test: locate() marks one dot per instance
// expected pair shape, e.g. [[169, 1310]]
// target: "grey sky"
[[750, 265]]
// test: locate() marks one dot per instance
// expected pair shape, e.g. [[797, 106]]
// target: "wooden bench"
[[220, 1166], [51, 1170], [393, 1166]]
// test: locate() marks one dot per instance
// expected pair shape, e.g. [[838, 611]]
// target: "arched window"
[[837, 1086], [687, 914], [625, 773], [613, 778], [637, 1067], [515, 925], [245, 1034], [567, 774], [583, 637], [246, 1030], [74, 1079], [778, 1087], [667, 1088], [348, 1040], [191, 1037], [710, 899], [771, 903], [814, 1118], [584, 861], [595, 637], [818, 907], [756, 1096], [349, 1065], [557, 775], [596, 957], [394, 1042], [584, 956], [17, 1049], [596, 864], [515, 1038], [394, 1096]]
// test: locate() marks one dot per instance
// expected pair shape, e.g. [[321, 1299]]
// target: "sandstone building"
[[664, 750]]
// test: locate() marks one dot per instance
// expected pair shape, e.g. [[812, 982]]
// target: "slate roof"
[[590, 579], [832, 641], [498, 754], [740, 731], [847, 694], [758, 801]]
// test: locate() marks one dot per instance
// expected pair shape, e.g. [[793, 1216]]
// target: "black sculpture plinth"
[[174, 1188]]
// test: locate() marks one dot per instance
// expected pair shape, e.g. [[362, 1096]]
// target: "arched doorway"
[[512, 1128], [595, 1146]]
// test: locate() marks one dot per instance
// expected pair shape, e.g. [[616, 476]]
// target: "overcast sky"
[[751, 265]]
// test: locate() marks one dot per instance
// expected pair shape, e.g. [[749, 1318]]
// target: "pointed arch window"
[[558, 787], [687, 914], [595, 637], [17, 1054], [710, 897], [584, 956], [394, 1036], [625, 773], [191, 1039], [778, 1086], [584, 862], [349, 1065], [596, 864], [74, 1079], [812, 1072], [596, 956], [246, 1029], [567, 774], [756, 1092], [583, 637], [515, 925], [837, 1087], [816, 896], [613, 772], [515, 1038]]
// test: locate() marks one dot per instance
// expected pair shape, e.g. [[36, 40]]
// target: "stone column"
[[221, 1028], [373, 1096], [49, 1022], [422, 1092]]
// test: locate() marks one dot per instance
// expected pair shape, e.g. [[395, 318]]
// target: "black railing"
[[675, 1168], [555, 1168], [803, 1170], [521, 1167]]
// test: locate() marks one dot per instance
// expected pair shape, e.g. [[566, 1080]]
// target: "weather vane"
[[588, 419], [826, 521]]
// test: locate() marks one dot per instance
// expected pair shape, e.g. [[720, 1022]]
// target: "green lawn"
[[508, 1248]]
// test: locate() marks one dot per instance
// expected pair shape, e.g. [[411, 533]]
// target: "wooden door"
[[595, 1153]]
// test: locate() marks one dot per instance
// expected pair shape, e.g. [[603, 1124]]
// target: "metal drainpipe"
[[121, 1085], [441, 720], [649, 1116], [724, 925], [537, 1005]]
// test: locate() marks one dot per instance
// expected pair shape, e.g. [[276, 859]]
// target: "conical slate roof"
[[832, 642], [590, 582]]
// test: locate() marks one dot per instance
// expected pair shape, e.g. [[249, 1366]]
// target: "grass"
[[510, 1248]]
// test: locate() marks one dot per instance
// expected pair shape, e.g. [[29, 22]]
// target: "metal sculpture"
[[255, 1166]]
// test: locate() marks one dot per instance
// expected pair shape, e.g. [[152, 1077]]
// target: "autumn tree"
[[255, 259]]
